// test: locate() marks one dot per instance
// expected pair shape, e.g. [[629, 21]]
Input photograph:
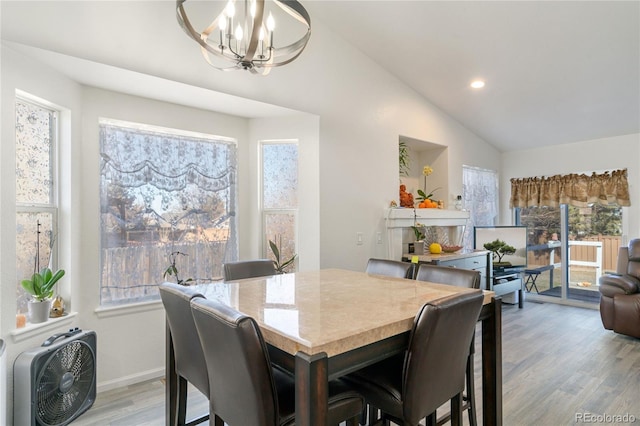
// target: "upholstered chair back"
[[390, 268], [632, 257], [435, 363], [189, 358], [447, 275], [242, 390], [232, 271]]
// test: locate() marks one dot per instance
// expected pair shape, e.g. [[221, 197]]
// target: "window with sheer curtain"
[[36, 191], [168, 198], [480, 197]]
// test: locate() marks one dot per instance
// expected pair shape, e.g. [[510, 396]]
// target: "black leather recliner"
[[620, 301]]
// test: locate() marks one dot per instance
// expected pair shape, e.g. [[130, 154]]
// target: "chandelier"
[[242, 36]]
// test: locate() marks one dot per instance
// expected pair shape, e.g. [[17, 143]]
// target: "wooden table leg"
[[312, 389], [492, 365]]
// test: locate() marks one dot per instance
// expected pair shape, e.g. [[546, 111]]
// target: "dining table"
[[326, 323]]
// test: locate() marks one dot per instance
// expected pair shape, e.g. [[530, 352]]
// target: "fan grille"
[[64, 383]]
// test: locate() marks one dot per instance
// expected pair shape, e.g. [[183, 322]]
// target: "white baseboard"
[[130, 380]]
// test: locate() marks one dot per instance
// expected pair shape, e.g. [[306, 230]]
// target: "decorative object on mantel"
[[40, 285], [243, 37], [406, 198], [458, 204], [423, 197]]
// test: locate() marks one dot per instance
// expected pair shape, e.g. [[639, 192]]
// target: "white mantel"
[[399, 218], [405, 217]]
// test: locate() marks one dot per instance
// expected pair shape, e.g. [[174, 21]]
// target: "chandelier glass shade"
[[244, 35]]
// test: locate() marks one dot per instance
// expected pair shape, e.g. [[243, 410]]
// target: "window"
[[280, 196], [36, 191], [480, 197], [166, 196]]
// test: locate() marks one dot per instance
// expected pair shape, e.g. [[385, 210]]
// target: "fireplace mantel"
[[405, 217]]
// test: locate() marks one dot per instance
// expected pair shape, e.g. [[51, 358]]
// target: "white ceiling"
[[556, 71]]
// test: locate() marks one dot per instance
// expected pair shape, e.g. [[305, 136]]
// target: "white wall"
[[21, 73], [599, 155]]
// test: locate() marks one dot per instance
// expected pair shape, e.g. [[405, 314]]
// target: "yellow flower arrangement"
[[422, 193]]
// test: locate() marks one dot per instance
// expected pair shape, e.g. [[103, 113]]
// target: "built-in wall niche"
[[421, 153]]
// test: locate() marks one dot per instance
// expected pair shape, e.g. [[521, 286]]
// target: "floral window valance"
[[575, 189]]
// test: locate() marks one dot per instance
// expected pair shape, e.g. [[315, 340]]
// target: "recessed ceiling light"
[[477, 84]]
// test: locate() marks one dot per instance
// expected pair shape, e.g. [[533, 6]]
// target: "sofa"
[[620, 293]]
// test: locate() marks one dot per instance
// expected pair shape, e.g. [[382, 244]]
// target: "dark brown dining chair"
[[232, 271], [460, 278], [245, 388], [189, 358], [410, 386], [389, 268]]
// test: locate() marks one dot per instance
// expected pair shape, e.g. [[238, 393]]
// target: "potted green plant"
[[403, 159], [281, 266], [172, 269], [40, 286]]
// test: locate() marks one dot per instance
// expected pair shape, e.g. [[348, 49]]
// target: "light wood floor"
[[558, 362]]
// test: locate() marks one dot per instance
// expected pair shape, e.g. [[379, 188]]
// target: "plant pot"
[[39, 311], [416, 247]]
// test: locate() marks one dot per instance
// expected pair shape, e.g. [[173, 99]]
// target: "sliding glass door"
[[569, 248]]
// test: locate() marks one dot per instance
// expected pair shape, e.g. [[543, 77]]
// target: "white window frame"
[[51, 208], [264, 212]]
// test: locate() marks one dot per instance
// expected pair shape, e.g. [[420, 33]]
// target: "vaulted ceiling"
[[555, 71]]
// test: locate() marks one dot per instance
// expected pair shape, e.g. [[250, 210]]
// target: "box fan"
[[55, 383]]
